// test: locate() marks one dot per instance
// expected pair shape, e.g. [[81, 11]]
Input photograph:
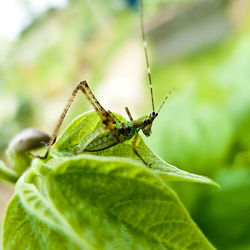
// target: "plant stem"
[[7, 174]]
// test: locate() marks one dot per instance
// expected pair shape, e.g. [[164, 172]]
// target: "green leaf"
[[23, 230], [86, 123], [97, 202]]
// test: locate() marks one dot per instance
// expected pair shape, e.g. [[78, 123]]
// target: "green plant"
[[104, 200]]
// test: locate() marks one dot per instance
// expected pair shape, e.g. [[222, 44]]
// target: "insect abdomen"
[[97, 140]]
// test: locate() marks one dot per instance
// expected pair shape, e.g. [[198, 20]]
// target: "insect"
[[113, 131]]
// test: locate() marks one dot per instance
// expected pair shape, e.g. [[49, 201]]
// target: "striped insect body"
[[98, 140]]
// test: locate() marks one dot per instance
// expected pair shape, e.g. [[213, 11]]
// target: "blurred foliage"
[[50, 54], [204, 128]]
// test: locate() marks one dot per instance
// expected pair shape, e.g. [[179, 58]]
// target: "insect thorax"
[[129, 129]]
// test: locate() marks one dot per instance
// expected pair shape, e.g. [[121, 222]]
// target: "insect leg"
[[136, 152], [115, 118], [82, 88], [129, 114], [92, 98], [107, 119], [59, 123]]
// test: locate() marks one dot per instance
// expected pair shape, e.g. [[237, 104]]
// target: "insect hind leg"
[[80, 86]]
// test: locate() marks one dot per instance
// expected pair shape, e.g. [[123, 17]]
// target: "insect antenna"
[[146, 52], [165, 99]]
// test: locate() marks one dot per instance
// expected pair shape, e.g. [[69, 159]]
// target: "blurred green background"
[[201, 49]]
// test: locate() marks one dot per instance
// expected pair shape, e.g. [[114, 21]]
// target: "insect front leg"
[[136, 152]]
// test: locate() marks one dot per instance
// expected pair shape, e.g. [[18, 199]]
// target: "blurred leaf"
[[208, 116], [195, 134], [228, 210], [21, 144]]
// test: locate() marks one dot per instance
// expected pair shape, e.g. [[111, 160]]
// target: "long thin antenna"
[[146, 52], [169, 93]]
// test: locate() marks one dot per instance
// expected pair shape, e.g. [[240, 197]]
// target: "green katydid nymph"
[[113, 131]]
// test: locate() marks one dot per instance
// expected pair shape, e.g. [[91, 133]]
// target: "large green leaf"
[[68, 142], [97, 202], [24, 230]]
